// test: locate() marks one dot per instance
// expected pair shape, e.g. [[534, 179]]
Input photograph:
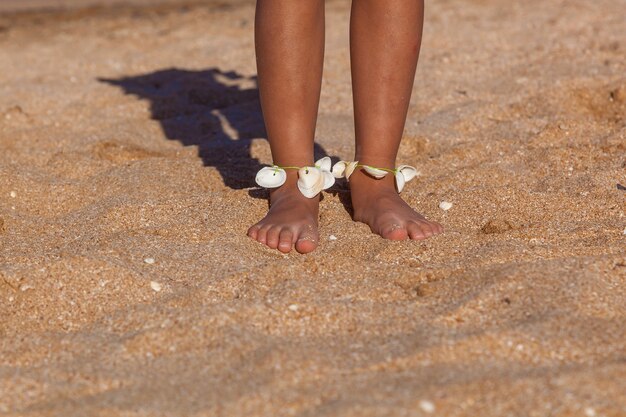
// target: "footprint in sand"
[[122, 152]]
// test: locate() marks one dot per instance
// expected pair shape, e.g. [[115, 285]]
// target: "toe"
[[273, 236], [305, 245], [262, 233], [427, 228], [438, 227], [394, 232], [285, 241], [307, 241], [415, 231], [253, 231]]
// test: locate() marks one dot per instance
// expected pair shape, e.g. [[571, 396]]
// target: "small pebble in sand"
[[293, 307], [13, 194], [445, 205], [149, 261], [332, 237], [624, 231], [427, 406], [590, 412], [156, 286]]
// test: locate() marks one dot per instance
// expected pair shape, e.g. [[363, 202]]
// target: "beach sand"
[[129, 141]]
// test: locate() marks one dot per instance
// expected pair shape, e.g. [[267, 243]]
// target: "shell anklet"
[[315, 179], [311, 180], [403, 174]]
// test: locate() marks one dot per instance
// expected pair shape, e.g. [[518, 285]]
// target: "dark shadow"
[[342, 191], [218, 111]]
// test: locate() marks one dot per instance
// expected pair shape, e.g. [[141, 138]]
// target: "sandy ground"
[[134, 134]]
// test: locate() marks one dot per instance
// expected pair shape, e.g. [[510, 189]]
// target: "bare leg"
[[385, 38], [290, 55]]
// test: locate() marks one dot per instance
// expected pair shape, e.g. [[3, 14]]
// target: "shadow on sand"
[[217, 111]]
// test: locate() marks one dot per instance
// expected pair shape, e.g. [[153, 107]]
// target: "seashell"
[[324, 163], [427, 406], [311, 181], [408, 172], [344, 169], [339, 169], [375, 172], [350, 168], [329, 179], [404, 174], [400, 181], [445, 205], [271, 177]]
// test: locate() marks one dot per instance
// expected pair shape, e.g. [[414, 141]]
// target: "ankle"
[[376, 161], [361, 181], [289, 191]]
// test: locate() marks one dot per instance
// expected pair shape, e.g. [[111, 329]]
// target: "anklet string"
[[311, 180], [403, 174], [315, 179]]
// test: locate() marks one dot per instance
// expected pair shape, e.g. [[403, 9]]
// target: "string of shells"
[[315, 179]]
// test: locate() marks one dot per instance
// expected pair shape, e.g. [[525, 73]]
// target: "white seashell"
[[324, 163], [310, 181], [375, 172], [408, 172], [329, 179], [344, 169], [590, 412], [427, 406], [404, 174], [400, 180], [445, 205], [350, 168], [271, 177], [339, 169]]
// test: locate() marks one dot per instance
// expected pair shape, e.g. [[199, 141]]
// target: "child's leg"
[[290, 53], [385, 40]]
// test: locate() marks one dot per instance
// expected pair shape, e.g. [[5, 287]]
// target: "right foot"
[[377, 204], [291, 221]]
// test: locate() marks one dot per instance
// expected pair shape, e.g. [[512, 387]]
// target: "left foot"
[[291, 221], [377, 204]]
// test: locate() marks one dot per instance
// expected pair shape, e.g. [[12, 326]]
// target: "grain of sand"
[[129, 140]]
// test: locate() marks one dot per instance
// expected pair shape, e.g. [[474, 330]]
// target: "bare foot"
[[377, 204], [291, 220]]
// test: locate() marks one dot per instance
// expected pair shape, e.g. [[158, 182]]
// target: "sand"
[[129, 140]]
